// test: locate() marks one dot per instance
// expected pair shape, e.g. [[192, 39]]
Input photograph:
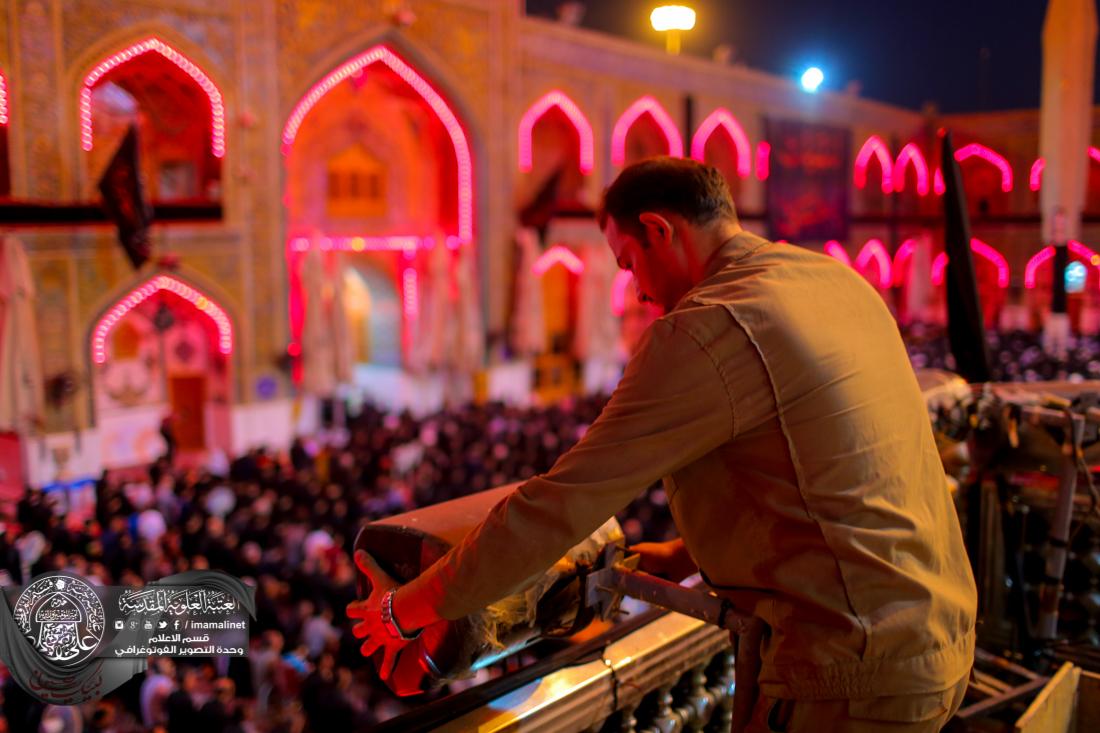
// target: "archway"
[[164, 348], [645, 129], [376, 162], [178, 111]]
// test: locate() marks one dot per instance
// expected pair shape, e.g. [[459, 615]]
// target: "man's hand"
[[667, 559], [370, 611]]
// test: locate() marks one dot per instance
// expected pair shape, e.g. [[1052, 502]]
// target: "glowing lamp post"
[[671, 20]]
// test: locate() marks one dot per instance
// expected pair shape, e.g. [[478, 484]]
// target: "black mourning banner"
[[807, 194], [965, 328], [124, 200], [66, 641]]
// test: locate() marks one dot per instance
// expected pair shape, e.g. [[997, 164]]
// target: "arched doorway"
[[162, 349], [378, 169]]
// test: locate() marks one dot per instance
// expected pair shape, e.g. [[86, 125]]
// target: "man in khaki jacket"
[[776, 400]]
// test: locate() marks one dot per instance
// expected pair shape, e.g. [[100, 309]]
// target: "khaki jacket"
[[777, 402]]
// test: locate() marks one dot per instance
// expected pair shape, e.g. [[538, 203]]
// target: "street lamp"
[[671, 20]]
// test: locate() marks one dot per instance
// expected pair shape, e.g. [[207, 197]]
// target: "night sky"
[[905, 52]]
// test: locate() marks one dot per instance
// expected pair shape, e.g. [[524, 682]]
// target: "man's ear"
[[658, 228]]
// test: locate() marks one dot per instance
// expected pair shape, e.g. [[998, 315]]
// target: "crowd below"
[[285, 523]]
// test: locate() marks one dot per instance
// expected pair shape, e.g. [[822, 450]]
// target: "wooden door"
[[188, 398]]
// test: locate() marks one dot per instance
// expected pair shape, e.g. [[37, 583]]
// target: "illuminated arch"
[[911, 154], [534, 113], [723, 118], [217, 106], [874, 250], [1035, 179], [983, 250], [645, 105], [146, 290], [902, 257], [990, 156], [3, 100], [382, 54], [837, 252], [873, 146], [557, 255], [763, 160], [1046, 253]]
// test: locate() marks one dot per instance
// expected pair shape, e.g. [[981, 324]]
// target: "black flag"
[[124, 200], [965, 328]]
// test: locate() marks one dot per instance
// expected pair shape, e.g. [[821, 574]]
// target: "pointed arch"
[[1077, 249], [150, 287], [835, 250], [645, 105], [723, 118], [556, 255], [901, 259], [875, 251], [876, 147], [455, 130], [153, 45], [1035, 178], [983, 250], [911, 154], [559, 99], [990, 156]]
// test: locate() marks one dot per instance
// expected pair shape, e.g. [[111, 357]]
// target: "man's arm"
[[671, 407]]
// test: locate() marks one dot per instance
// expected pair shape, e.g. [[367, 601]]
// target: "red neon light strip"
[[939, 265], [723, 118], [217, 108], [1035, 179], [763, 160], [1040, 258], [911, 154], [645, 105], [556, 98], [557, 255], [873, 146], [3, 100], [874, 250], [427, 93], [619, 285], [145, 291], [902, 257], [834, 250], [990, 156]]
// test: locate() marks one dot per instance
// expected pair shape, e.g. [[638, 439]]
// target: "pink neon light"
[[874, 250], [1094, 153], [874, 146], [763, 160], [1035, 180], [557, 255], [902, 257], [937, 183], [217, 109], [619, 285], [723, 118], [939, 265], [990, 156], [396, 243], [1046, 253], [3, 100], [410, 298], [145, 291], [645, 105], [427, 93], [834, 250], [911, 154], [557, 99]]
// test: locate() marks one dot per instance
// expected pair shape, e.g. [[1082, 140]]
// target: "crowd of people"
[[285, 523]]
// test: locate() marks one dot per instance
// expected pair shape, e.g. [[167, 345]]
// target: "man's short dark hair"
[[681, 186]]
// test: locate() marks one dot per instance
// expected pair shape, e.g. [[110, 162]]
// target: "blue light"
[[1076, 274], [812, 78]]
